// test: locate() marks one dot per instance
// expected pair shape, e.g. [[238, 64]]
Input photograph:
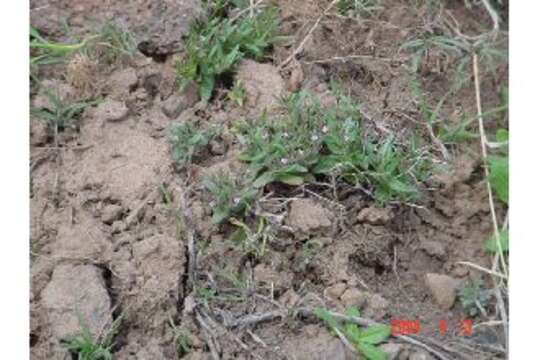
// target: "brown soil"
[[105, 241]]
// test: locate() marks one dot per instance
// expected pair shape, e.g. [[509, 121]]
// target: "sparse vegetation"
[[109, 45], [188, 142], [365, 341], [253, 242], [215, 47], [237, 94], [182, 339], [86, 347], [308, 141], [474, 298], [230, 196], [62, 112]]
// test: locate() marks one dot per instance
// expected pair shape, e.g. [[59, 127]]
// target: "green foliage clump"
[[62, 111], [231, 197], [110, 44], [308, 140], [474, 297], [214, 48], [188, 142], [253, 241], [365, 341], [491, 244], [86, 347]]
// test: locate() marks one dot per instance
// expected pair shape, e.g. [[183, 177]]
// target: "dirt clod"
[[319, 345], [335, 291], [354, 297], [308, 216], [76, 293], [176, 103], [263, 85], [111, 110], [111, 213], [122, 82], [163, 25], [374, 216], [443, 289], [434, 248], [84, 240]]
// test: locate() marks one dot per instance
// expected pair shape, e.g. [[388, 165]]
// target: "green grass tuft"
[[215, 47]]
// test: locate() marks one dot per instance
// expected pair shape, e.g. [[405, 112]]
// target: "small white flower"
[[236, 200], [286, 135], [325, 129], [314, 137], [301, 152], [284, 161]]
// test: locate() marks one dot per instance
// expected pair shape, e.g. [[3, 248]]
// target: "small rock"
[[443, 289], [308, 216], [392, 350], [354, 297], [111, 110], [77, 293], [123, 81], [335, 291], [111, 213], [433, 248], [177, 103], [374, 216]]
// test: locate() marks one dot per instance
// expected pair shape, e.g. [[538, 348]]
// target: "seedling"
[[62, 112], [182, 339], [114, 44], [365, 340], [237, 94], [474, 298], [214, 48], [230, 196], [253, 242], [188, 142], [504, 238], [86, 347]]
